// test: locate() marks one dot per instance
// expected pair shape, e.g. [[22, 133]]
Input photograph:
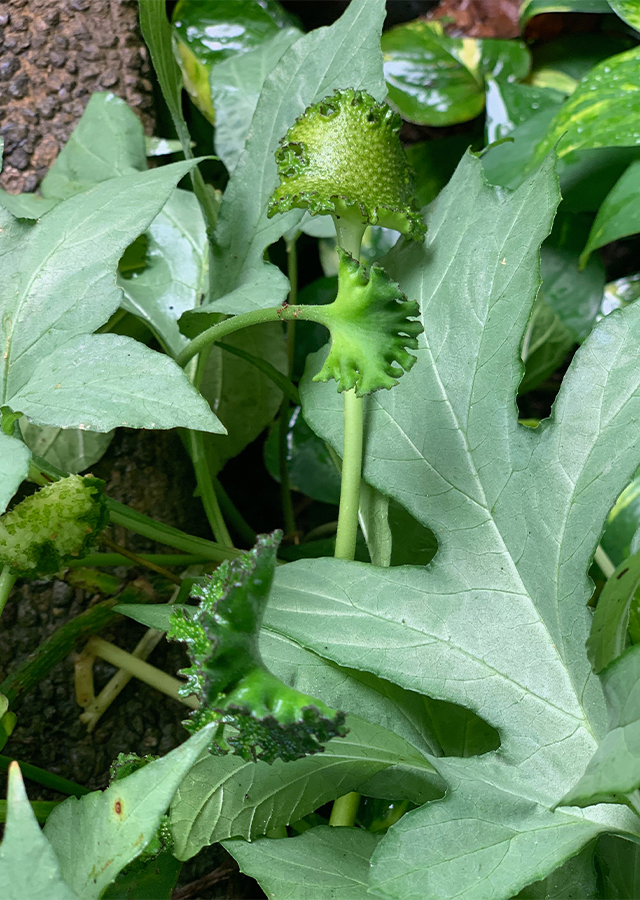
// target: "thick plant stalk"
[[351, 470], [95, 707], [140, 669], [350, 237]]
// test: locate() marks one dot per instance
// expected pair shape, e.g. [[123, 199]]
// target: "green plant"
[[456, 676]]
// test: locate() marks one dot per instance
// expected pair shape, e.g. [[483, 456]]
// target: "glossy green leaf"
[[28, 865], [101, 381], [565, 60], [321, 863], [244, 398], [619, 215], [95, 837], [628, 11], [176, 276], [614, 772], [608, 636], [434, 79], [587, 176], [70, 450], [311, 468], [510, 104], [427, 83], [347, 54], [576, 878], [531, 8], [208, 33], [223, 796], [235, 86], [619, 864], [602, 111], [503, 603], [14, 466]]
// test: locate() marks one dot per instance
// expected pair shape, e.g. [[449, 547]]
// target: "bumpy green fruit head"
[[343, 157], [54, 526]]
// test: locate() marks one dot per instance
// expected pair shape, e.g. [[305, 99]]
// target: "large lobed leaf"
[[498, 621]]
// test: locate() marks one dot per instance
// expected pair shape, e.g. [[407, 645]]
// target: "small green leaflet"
[[320, 864], [28, 865]]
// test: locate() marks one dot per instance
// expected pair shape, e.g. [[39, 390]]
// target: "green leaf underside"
[[347, 54], [271, 720], [28, 865], [14, 466], [502, 605], [602, 111], [321, 863], [225, 797], [236, 84], [100, 381], [96, 837], [343, 157], [370, 330], [176, 275], [48, 304], [614, 771], [70, 450]]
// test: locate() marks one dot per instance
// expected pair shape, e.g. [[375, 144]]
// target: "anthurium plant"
[[433, 691]]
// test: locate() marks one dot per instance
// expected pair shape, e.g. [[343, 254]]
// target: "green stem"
[[349, 235], [63, 641], [7, 581], [141, 670], [283, 466], [116, 559], [232, 514], [281, 381], [283, 422], [201, 468], [41, 472], [350, 239], [351, 469], [345, 810], [606, 566], [48, 779], [120, 514], [207, 492]]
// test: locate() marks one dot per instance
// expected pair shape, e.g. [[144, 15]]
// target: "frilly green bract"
[[59, 523], [343, 157], [371, 329], [271, 720]]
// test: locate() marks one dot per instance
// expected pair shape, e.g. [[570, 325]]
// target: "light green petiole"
[[350, 236]]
